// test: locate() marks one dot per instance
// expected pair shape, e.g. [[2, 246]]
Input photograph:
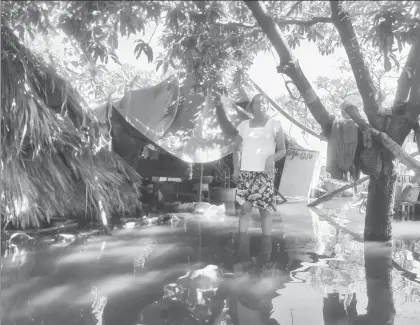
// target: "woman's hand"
[[269, 164]]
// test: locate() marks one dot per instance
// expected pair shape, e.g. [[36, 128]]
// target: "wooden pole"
[[200, 192], [330, 195], [199, 241]]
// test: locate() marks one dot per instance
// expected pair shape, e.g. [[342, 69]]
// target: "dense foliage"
[[211, 38]]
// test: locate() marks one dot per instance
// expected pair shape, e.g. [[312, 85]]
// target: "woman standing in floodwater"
[[261, 143]]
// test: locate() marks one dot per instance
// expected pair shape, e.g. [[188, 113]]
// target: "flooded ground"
[[314, 269]]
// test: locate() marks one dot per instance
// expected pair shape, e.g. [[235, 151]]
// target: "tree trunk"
[[380, 201], [381, 308], [380, 205], [333, 309], [342, 22], [378, 268]]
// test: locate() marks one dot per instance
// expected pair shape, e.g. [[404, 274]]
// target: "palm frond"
[[52, 161]]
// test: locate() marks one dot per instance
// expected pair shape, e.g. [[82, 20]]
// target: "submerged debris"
[[140, 260], [19, 239], [152, 219], [210, 211], [98, 305]]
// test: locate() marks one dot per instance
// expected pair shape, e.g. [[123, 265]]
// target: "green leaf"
[[115, 57], [159, 63], [171, 62], [393, 57], [143, 47], [301, 30], [123, 24], [31, 33], [310, 35], [115, 40], [165, 67], [21, 31], [319, 35], [399, 43], [387, 64]]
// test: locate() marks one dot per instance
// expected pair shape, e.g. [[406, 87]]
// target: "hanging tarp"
[[204, 128], [183, 122]]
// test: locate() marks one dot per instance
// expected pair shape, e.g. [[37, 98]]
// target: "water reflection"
[[342, 309], [241, 294], [378, 268], [314, 269], [91, 279], [256, 280]]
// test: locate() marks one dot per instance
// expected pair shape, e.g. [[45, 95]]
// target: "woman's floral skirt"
[[258, 189]]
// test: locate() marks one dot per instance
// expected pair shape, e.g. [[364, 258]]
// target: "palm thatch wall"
[[52, 162]]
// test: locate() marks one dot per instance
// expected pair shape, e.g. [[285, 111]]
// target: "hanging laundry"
[[341, 149]]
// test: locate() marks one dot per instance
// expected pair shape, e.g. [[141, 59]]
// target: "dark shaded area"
[[129, 143]]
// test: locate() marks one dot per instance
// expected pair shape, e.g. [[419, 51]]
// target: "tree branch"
[[386, 141], [293, 8], [287, 115], [235, 24], [280, 22], [415, 84], [300, 22], [361, 73], [403, 87], [289, 65]]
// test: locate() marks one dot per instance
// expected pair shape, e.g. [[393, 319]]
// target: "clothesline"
[[287, 115]]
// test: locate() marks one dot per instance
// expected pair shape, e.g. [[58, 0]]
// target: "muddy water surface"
[[314, 269]]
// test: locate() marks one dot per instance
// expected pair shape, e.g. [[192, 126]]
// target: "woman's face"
[[259, 106]]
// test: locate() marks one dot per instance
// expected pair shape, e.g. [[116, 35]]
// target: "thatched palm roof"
[[52, 161]]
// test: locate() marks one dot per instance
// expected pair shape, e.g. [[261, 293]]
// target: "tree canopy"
[[212, 37]]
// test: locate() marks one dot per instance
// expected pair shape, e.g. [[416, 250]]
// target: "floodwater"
[[314, 269]]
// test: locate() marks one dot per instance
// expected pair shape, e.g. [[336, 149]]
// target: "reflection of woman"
[[250, 290], [254, 171], [257, 282]]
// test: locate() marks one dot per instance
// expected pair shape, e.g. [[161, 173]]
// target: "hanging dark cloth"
[[341, 150]]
